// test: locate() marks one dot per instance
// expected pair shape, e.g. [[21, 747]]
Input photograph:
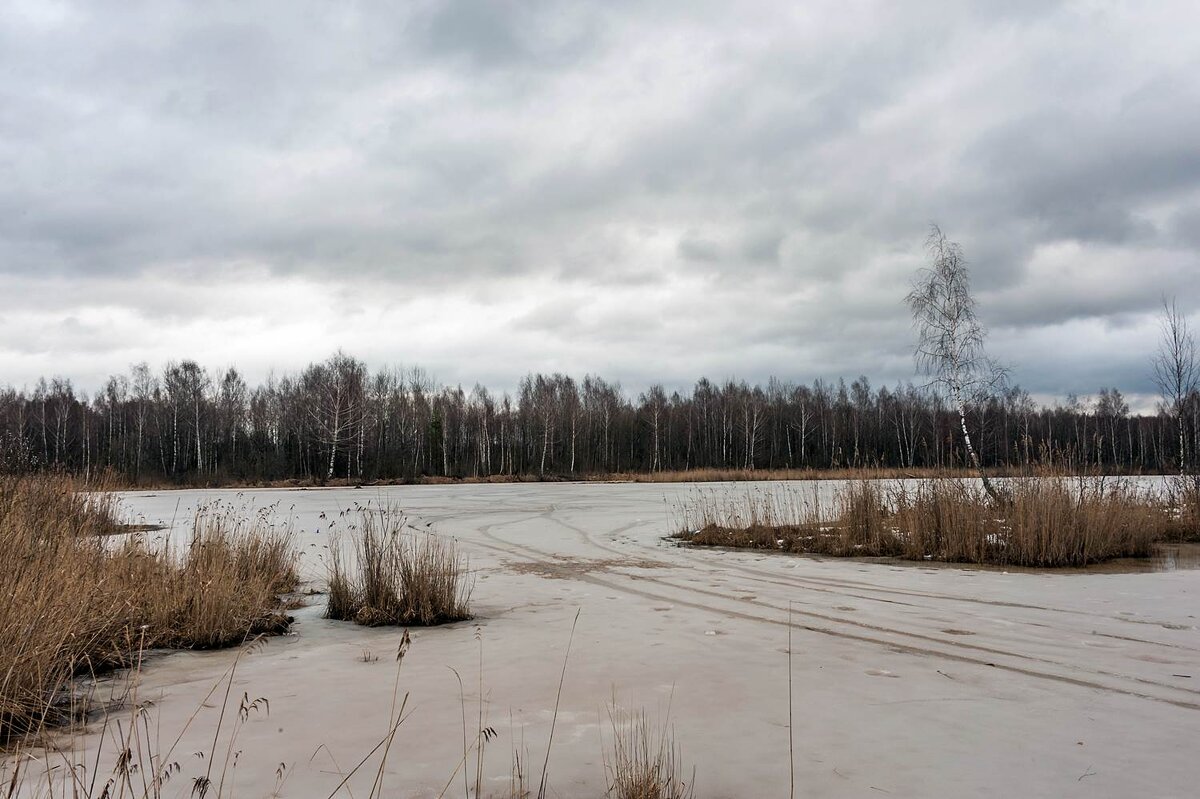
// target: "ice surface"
[[908, 680]]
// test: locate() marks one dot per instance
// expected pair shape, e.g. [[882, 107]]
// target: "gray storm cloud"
[[652, 193]]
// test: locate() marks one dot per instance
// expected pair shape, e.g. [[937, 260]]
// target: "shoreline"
[[114, 483]]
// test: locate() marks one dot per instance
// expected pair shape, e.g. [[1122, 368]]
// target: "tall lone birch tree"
[[950, 339], [1176, 372]]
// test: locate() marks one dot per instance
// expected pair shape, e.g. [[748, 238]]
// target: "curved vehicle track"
[[910, 680], [796, 610]]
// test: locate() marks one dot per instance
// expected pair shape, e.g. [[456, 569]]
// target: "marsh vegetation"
[[1039, 522], [396, 576], [76, 601]]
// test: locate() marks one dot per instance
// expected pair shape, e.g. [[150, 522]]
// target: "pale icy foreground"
[[909, 681]]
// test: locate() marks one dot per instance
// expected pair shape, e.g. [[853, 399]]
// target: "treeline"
[[337, 419]]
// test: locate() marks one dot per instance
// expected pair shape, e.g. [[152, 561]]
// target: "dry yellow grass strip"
[[1041, 522], [74, 600]]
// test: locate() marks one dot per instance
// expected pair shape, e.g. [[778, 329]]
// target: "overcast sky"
[[488, 189]]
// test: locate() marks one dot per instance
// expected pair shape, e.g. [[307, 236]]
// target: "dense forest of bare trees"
[[337, 419]]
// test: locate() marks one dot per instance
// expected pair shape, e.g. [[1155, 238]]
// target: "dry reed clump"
[[396, 577], [643, 761], [1183, 497], [800, 520], [1042, 522], [73, 601], [224, 586]]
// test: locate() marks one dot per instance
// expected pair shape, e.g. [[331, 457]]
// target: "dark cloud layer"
[[654, 191]]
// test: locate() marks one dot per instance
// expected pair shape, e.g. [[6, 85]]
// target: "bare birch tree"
[[336, 392], [144, 386], [950, 339], [1175, 371]]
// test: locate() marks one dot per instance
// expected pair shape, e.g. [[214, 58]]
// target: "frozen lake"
[[908, 681]]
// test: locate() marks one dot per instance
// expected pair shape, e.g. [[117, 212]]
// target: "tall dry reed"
[[74, 599], [642, 759], [1042, 521], [1184, 497], [396, 577]]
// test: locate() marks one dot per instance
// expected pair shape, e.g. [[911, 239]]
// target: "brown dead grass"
[[749, 475], [1042, 522], [396, 577], [115, 481], [642, 759], [75, 601], [1184, 500]]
